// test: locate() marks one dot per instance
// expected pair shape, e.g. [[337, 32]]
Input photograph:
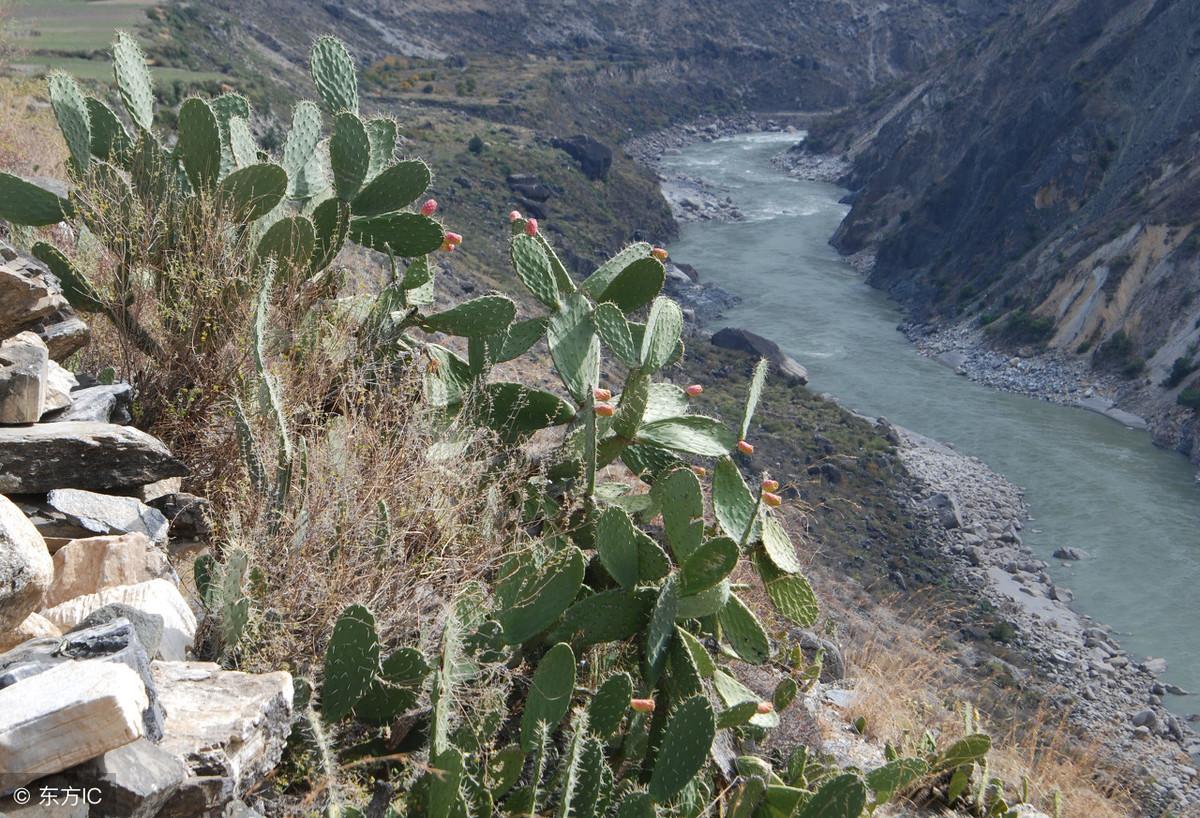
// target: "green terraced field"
[[67, 34]]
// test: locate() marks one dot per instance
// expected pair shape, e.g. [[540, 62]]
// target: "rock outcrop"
[[743, 340], [89, 597]]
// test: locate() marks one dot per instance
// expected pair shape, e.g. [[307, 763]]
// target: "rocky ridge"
[[102, 707]]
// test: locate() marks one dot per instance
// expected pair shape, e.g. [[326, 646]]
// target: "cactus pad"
[[617, 546], [351, 662], [662, 628], [842, 797], [598, 281], [778, 545], [110, 142], [550, 692], [334, 75], [689, 734], [694, 434], [252, 192], [533, 268], [302, 141], [678, 495], [476, 318], [516, 410], [744, 632], [71, 111], [382, 133], [393, 189], [133, 81], [290, 242], [532, 599], [575, 347], [331, 223], [609, 705], [199, 146], [614, 332], [708, 565], [791, 594], [607, 616], [349, 155], [733, 504], [25, 203], [408, 235], [636, 285], [77, 289]]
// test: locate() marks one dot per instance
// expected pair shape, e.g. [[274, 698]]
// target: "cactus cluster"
[[631, 706], [295, 211]]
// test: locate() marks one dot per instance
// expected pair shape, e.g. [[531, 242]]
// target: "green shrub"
[[475, 144], [1117, 354], [1180, 369], [1023, 327], [1190, 398]]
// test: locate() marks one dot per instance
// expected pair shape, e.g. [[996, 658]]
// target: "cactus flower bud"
[[772, 499], [695, 390], [605, 410], [700, 471], [513, 215], [659, 253], [602, 394], [745, 447], [770, 485], [454, 238], [429, 207], [765, 707], [531, 227], [448, 246], [642, 705]]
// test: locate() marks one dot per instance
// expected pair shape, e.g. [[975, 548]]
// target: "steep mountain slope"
[[1044, 176], [665, 56]]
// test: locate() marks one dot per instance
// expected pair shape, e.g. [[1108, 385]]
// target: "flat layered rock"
[[106, 403], [158, 596], [96, 456], [134, 781], [65, 716], [59, 383], [25, 566], [79, 513], [88, 566], [228, 727], [31, 299]]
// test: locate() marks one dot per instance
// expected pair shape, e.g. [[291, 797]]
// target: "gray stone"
[[135, 781], [594, 157], [742, 340], [1145, 718], [93, 514], [833, 666], [187, 513], [148, 626], [1070, 554], [24, 364], [157, 596], [107, 403], [59, 383], [947, 510], [1154, 666], [95, 456], [26, 568]]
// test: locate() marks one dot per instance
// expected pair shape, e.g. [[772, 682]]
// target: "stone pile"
[[98, 689]]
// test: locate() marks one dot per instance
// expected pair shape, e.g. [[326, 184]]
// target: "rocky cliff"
[[1041, 180]]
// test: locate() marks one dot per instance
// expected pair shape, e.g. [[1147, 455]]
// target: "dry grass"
[[30, 142], [394, 514], [906, 681]]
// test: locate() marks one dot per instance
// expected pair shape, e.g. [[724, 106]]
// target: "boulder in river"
[[743, 340]]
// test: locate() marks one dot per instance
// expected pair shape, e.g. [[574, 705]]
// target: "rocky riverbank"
[[1050, 376], [976, 517]]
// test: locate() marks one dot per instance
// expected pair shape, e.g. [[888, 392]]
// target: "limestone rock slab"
[[25, 566], [134, 781], [228, 727], [24, 365], [157, 596], [65, 716], [106, 403], [83, 455], [59, 383], [88, 566], [31, 299]]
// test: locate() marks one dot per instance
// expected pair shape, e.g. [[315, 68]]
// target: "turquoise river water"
[[1090, 482]]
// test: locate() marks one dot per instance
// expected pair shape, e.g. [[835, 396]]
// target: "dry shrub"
[[396, 513]]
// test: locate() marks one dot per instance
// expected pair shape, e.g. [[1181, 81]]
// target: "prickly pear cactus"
[[686, 740]]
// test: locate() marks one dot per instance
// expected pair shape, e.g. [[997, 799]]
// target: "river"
[[1090, 482]]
